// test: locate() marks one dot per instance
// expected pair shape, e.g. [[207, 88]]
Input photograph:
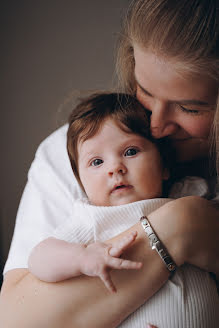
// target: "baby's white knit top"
[[188, 300]]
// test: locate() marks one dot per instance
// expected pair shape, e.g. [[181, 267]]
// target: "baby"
[[116, 162]]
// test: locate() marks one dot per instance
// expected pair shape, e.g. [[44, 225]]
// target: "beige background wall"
[[48, 48]]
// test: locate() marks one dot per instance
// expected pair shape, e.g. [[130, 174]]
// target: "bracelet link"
[[156, 244]]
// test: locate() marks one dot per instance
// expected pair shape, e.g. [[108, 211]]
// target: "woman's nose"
[[162, 121], [117, 168]]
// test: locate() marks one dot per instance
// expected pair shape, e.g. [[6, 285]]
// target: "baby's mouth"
[[121, 187]]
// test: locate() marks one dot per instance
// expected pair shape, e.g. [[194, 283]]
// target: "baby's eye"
[[96, 162], [131, 152]]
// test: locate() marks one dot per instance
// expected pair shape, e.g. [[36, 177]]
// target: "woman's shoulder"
[[52, 164], [54, 143]]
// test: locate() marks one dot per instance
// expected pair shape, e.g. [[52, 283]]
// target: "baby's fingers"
[[118, 264], [105, 277], [120, 246]]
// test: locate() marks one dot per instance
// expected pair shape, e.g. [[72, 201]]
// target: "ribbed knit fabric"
[[188, 300], [189, 186]]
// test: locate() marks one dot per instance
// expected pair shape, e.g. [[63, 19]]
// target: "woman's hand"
[[189, 228]]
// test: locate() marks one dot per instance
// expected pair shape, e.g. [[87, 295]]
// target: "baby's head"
[[112, 154]]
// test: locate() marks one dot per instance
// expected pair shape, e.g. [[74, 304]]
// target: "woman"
[[169, 57]]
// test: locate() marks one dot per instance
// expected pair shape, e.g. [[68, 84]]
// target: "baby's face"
[[117, 167]]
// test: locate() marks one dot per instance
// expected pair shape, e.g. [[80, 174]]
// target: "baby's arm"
[[55, 260]]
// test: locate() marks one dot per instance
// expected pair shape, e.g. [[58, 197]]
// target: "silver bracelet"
[[156, 244]]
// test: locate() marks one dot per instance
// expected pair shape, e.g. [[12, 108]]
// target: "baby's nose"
[[117, 168]]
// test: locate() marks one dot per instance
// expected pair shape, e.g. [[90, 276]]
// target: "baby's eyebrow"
[[182, 102], [86, 156]]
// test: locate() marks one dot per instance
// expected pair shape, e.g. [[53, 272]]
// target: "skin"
[[182, 105], [117, 167]]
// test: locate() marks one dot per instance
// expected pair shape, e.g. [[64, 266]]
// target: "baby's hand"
[[98, 258]]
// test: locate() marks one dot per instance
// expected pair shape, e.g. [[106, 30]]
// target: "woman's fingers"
[[117, 249], [151, 326]]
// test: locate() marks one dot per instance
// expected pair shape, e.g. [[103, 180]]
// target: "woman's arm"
[[188, 227], [201, 231]]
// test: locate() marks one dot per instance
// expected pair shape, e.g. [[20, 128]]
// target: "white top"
[[189, 299], [47, 204], [47, 198]]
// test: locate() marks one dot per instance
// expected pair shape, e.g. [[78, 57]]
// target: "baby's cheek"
[[88, 189]]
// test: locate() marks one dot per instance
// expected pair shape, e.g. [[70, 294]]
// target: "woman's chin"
[[191, 149]]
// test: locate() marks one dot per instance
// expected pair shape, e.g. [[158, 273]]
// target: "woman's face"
[[182, 106]]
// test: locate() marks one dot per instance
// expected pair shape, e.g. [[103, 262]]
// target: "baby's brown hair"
[[88, 116]]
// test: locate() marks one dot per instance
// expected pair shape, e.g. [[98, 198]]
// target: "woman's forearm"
[[83, 301], [194, 225]]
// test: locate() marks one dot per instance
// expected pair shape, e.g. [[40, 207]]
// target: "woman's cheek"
[[199, 127]]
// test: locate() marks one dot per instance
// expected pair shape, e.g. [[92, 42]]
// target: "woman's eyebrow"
[[142, 89], [182, 102]]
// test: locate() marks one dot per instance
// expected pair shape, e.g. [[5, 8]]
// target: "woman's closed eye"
[[96, 162], [189, 111], [131, 152]]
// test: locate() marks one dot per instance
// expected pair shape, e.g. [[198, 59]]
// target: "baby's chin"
[[114, 202], [125, 201]]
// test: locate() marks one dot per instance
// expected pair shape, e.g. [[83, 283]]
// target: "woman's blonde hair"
[[185, 31]]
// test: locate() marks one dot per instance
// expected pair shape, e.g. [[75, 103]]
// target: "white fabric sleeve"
[[47, 198], [190, 186]]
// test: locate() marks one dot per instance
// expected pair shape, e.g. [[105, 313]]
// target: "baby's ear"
[[166, 173]]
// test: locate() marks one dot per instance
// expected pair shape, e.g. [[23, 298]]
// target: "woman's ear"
[[166, 173]]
